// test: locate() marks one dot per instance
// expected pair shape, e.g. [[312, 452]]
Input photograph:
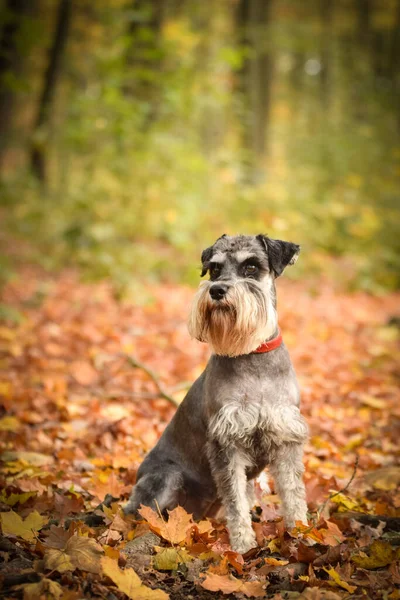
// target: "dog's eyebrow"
[[218, 257], [243, 255]]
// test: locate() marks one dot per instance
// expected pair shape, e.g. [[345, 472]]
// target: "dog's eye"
[[250, 270], [215, 271]]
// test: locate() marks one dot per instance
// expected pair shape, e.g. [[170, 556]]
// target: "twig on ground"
[[155, 379], [341, 491]]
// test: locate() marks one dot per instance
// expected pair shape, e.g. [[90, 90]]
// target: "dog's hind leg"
[[160, 491]]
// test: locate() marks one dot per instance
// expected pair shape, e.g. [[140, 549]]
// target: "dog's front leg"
[[228, 467], [287, 470]]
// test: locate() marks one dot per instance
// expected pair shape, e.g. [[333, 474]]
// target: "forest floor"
[[78, 413]]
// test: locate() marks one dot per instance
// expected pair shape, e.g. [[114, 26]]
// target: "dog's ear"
[[207, 254], [205, 259], [280, 254]]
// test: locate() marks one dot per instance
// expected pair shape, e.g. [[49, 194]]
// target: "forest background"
[[135, 133]]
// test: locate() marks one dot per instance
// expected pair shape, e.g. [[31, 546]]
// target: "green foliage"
[[149, 163]]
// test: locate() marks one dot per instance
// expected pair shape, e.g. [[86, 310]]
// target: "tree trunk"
[[256, 75], [10, 63], [40, 144], [144, 55]]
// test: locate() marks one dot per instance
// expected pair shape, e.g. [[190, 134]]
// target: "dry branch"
[[152, 375]]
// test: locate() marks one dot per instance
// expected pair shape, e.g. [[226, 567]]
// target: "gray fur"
[[241, 415]]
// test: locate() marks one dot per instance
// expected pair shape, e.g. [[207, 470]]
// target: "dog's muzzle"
[[218, 291]]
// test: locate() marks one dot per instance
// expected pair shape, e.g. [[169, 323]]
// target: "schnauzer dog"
[[242, 413]]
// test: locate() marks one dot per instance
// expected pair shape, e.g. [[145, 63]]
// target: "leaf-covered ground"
[[78, 413]]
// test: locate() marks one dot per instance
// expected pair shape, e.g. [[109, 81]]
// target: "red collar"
[[270, 345]]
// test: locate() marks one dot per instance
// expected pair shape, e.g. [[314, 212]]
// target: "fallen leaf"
[[14, 499], [58, 560], [168, 559], [344, 502], [373, 402], [338, 581], [387, 478], [128, 582], [31, 458], [13, 524], [380, 555], [9, 423], [84, 553], [83, 372], [228, 584], [46, 589], [174, 529]]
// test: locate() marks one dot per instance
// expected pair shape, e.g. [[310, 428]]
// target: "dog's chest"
[[266, 416]]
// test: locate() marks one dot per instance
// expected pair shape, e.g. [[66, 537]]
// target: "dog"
[[242, 413]]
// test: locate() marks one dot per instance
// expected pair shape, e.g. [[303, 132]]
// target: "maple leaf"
[[331, 536], [174, 530], [129, 582], [12, 524], [57, 537], [58, 560], [228, 584], [79, 552]]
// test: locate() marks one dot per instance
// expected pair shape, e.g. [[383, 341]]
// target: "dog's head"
[[235, 310]]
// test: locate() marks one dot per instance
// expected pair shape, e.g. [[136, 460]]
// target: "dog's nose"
[[218, 291]]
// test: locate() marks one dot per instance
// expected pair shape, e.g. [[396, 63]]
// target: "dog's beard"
[[239, 322]]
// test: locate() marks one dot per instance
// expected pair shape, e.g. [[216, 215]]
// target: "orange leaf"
[[83, 372], [174, 529], [228, 584]]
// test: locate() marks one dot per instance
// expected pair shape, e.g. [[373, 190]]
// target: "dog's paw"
[[130, 508], [291, 521], [243, 540]]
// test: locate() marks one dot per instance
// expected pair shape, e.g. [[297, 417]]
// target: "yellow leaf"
[[338, 581], [9, 424], [380, 555], [273, 546], [111, 552], [387, 478], [12, 524], [128, 582], [44, 589], [14, 499], [344, 502], [31, 458], [58, 560], [168, 559], [373, 402], [84, 553]]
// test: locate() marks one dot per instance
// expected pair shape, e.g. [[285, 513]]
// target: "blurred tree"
[[52, 74], [144, 54], [256, 75], [10, 64]]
